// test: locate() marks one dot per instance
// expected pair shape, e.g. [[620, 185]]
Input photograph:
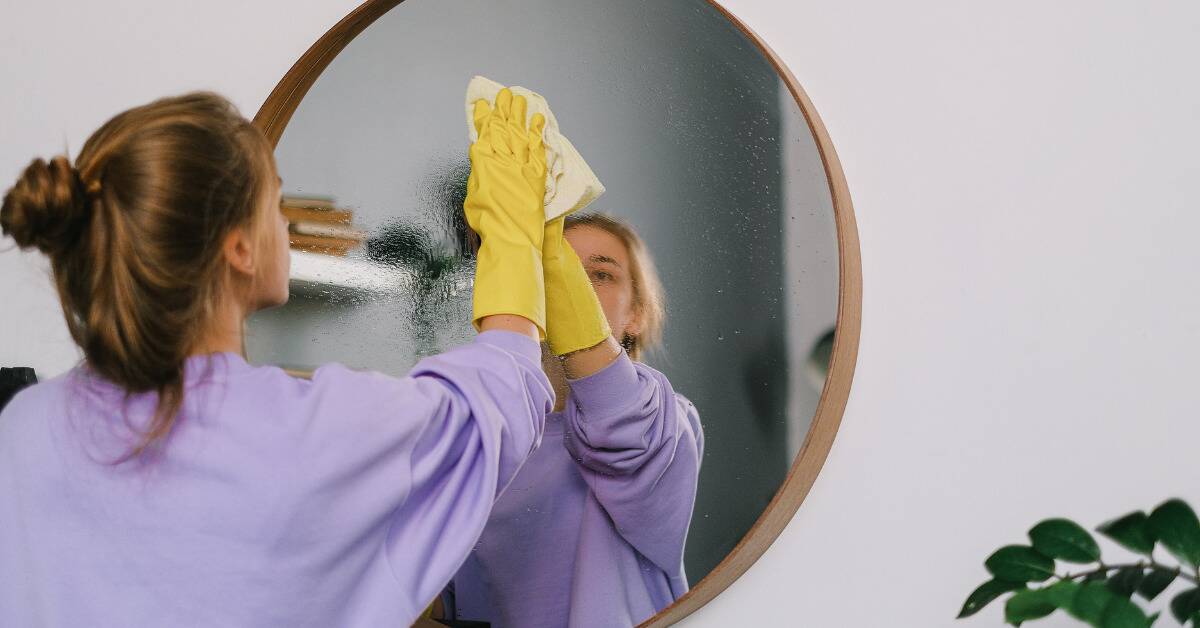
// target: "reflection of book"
[[328, 231], [321, 244], [323, 216], [308, 202]]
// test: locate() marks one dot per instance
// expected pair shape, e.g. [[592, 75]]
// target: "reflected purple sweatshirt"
[[347, 500], [591, 531]]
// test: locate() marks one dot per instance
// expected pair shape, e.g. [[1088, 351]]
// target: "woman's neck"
[[224, 333], [553, 367]]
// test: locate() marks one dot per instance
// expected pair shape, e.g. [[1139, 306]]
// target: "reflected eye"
[[598, 276]]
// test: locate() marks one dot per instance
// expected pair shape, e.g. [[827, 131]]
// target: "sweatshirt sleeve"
[[638, 445], [426, 455]]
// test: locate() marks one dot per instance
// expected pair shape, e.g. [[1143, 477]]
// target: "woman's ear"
[[238, 249]]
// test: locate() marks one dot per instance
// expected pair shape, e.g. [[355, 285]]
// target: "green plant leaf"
[[1096, 605], [1175, 525], [1195, 619], [1131, 532], [1126, 581], [1123, 613], [1096, 576], [1156, 582], [1028, 604], [1185, 604], [985, 593], [1065, 540], [1019, 563], [1062, 593], [1090, 602]]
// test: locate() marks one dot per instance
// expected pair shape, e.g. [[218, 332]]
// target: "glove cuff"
[[509, 281], [575, 320]]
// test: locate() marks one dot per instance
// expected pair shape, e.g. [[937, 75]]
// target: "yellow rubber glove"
[[504, 205], [574, 318]]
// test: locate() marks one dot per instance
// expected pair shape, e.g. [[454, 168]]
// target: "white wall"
[[1025, 176]]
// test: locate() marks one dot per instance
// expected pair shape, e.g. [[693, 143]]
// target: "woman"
[[591, 530], [165, 481]]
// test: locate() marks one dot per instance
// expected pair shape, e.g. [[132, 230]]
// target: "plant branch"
[[1141, 564]]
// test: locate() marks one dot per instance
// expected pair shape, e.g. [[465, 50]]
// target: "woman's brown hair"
[[133, 231], [648, 300]]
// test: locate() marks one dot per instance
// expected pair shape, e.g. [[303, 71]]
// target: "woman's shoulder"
[[30, 399], [333, 387], [231, 369], [29, 415]]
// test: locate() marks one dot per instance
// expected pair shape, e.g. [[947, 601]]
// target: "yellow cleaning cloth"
[[570, 183]]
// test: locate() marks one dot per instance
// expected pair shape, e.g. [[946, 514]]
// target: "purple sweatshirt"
[[347, 500], [591, 531]]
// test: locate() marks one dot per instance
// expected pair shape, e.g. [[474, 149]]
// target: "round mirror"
[[709, 151]]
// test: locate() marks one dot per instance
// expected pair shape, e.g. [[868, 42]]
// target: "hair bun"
[[46, 208]]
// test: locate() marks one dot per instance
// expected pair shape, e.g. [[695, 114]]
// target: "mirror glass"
[[702, 149]]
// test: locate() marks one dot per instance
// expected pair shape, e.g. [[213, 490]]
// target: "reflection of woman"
[[167, 482], [591, 530]]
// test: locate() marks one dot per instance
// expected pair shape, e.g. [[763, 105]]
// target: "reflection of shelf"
[[316, 271], [316, 225], [299, 373]]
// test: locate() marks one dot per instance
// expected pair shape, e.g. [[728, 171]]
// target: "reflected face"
[[606, 261], [271, 281]]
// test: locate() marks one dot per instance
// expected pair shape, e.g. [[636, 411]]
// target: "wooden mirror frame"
[[279, 106]]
